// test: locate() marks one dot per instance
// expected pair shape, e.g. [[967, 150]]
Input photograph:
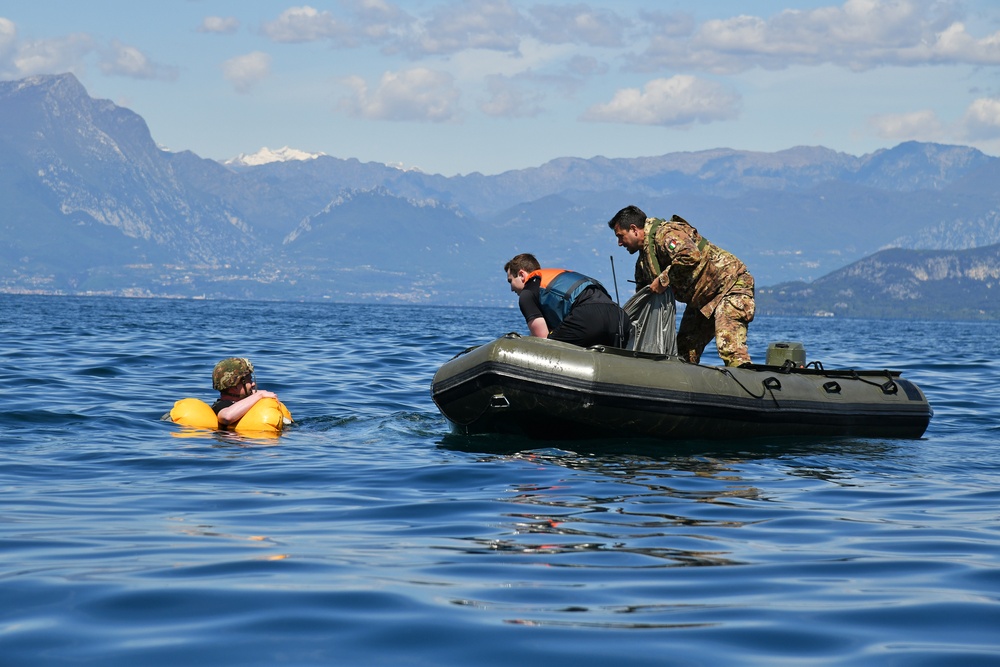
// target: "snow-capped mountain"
[[265, 156]]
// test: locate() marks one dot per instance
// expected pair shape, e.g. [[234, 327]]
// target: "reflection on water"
[[639, 515], [667, 511]]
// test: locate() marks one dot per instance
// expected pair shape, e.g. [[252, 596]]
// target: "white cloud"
[[246, 71], [417, 94], [579, 24], [982, 119], [955, 45], [306, 24], [498, 25], [124, 60], [69, 53], [860, 34], [678, 101], [479, 24], [223, 25], [377, 19], [917, 125], [675, 25], [51, 56], [8, 36], [365, 21]]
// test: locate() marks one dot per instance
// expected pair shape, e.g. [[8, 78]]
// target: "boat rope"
[[493, 403], [486, 409], [769, 384], [887, 387], [465, 351]]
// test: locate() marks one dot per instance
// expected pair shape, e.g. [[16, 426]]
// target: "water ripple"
[[368, 534]]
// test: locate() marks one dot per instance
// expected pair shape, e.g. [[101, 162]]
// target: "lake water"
[[368, 535]]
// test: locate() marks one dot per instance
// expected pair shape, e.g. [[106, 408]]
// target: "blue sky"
[[491, 85]]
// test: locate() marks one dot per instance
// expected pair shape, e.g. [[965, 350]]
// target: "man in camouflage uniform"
[[233, 378], [716, 286]]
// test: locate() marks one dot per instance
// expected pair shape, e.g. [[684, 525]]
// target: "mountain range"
[[897, 283], [94, 206]]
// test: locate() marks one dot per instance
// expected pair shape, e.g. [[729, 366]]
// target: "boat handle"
[[499, 401], [890, 387], [772, 383], [832, 387]]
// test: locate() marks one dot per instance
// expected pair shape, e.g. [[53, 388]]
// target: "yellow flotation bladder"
[[267, 416], [194, 412]]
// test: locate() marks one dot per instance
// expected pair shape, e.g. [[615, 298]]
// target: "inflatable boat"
[[548, 389]]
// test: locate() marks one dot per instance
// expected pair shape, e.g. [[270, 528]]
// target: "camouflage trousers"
[[728, 325]]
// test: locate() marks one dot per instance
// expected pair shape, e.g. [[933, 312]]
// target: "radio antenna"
[[615, 279], [621, 342]]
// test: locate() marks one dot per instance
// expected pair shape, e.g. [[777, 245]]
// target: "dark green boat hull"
[[547, 389]]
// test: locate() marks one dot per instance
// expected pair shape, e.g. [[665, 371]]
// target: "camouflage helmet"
[[229, 372]]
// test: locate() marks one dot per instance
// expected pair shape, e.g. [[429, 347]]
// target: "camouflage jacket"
[[699, 272]]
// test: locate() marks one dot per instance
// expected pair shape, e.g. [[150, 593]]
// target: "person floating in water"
[[234, 379]]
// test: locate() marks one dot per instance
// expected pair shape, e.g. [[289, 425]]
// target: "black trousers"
[[600, 323]]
